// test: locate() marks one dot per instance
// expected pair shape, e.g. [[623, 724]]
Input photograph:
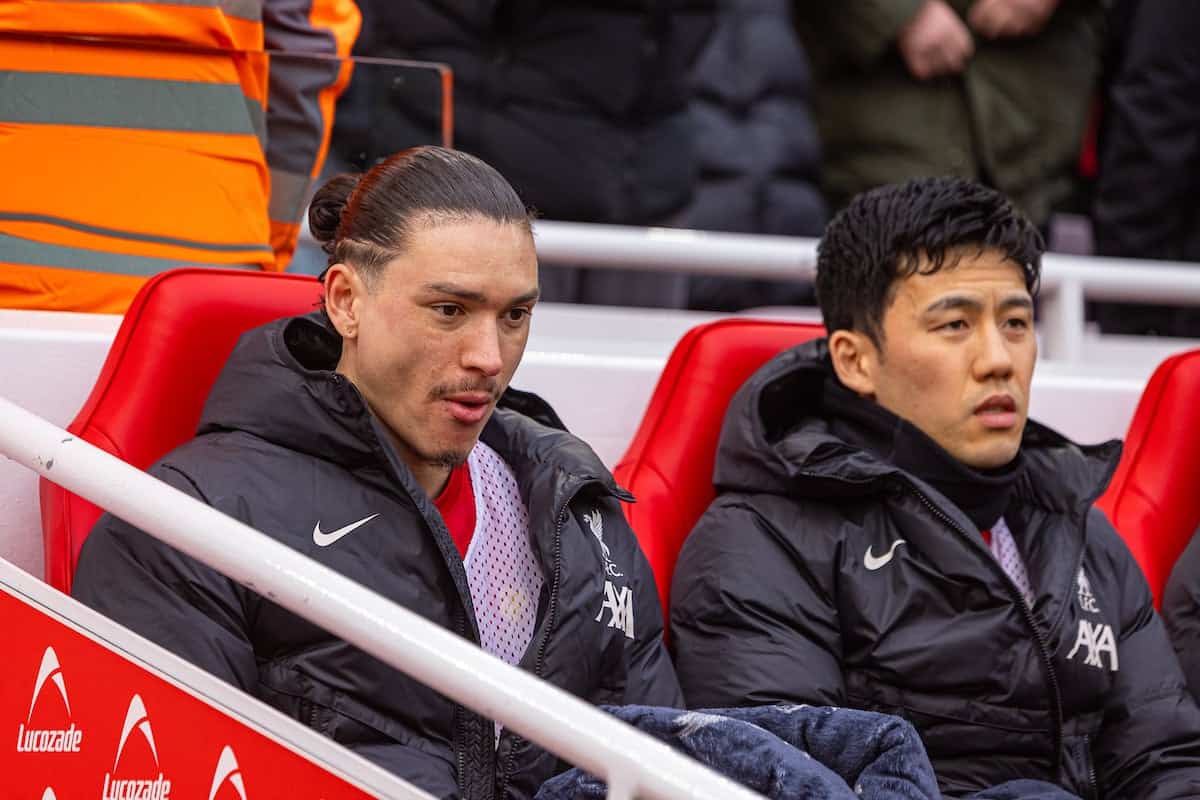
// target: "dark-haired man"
[[892, 534]]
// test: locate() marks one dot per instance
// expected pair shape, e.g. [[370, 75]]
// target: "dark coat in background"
[[1181, 613], [1147, 201], [793, 589], [756, 143], [1014, 118], [581, 104]]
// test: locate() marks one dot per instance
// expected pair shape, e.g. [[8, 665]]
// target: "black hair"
[[921, 226], [366, 219]]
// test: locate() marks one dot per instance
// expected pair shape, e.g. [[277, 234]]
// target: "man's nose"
[[995, 359], [481, 349]]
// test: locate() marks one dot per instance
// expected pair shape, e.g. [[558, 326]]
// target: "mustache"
[[489, 385]]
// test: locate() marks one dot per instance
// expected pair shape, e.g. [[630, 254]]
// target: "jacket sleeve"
[[861, 31], [1148, 746], [651, 677], [753, 623], [1151, 145], [1181, 613], [165, 596], [303, 87]]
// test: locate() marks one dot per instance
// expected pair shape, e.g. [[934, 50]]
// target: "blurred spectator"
[[756, 143], [993, 90], [1147, 204], [581, 104], [135, 140]]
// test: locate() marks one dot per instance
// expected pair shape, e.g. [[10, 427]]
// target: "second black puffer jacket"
[[793, 589]]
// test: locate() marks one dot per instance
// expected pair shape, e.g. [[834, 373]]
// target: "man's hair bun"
[[325, 210]]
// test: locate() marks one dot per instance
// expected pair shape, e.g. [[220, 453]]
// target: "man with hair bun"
[[378, 436], [891, 533]]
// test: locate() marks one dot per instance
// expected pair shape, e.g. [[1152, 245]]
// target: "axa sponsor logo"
[[618, 601], [156, 788], [46, 740], [1099, 641], [228, 773]]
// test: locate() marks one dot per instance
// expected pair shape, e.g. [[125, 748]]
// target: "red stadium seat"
[[669, 464], [173, 341], [1154, 497]]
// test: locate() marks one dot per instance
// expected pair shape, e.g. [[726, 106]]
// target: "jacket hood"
[[282, 373], [780, 436], [279, 384]]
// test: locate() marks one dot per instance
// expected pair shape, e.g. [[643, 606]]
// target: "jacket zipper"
[[1038, 635], [1093, 790], [539, 663], [308, 713], [461, 628]]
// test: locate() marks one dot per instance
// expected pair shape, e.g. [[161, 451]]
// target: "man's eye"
[[1017, 322], [517, 314], [447, 310], [955, 325]]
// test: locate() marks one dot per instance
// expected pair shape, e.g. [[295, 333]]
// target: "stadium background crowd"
[[755, 116], [759, 116]]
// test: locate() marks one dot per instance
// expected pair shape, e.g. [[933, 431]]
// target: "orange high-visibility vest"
[[133, 140]]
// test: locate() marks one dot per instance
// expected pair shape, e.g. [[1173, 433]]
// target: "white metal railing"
[[1067, 281], [631, 762]]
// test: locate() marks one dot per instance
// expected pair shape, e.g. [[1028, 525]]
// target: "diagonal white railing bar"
[[1068, 281], [633, 763]]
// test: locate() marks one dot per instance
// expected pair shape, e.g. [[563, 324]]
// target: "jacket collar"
[[778, 437], [279, 384]]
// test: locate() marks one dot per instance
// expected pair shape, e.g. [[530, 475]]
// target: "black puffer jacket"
[[1148, 191], [1147, 198], [1181, 612], [786, 592], [285, 443]]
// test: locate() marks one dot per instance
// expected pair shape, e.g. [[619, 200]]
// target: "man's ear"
[[343, 299], [855, 360]]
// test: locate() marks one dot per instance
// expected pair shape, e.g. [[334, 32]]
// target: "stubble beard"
[[447, 459]]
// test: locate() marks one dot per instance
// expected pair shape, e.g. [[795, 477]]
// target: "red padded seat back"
[[174, 339], [1154, 497], [669, 464]]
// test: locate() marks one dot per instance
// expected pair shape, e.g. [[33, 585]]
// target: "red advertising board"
[[83, 721]]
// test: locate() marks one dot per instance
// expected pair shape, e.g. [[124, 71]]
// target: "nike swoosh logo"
[[873, 562], [325, 539]]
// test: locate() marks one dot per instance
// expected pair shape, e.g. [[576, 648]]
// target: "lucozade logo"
[[228, 772], [46, 740], [158, 788]]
